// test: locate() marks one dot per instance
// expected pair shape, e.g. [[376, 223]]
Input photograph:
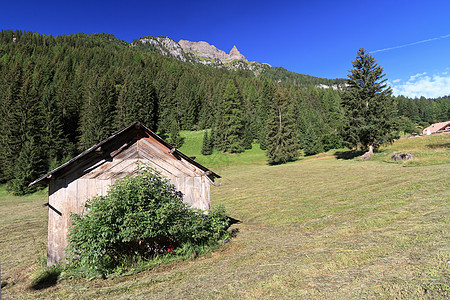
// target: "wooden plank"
[[161, 154], [180, 184], [69, 205], [52, 195], [98, 186], [116, 168], [188, 188], [114, 149], [196, 193], [83, 194], [160, 163], [206, 193], [57, 191], [92, 188], [105, 169], [187, 165], [106, 184]]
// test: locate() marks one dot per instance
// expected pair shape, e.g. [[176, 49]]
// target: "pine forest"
[[61, 95]]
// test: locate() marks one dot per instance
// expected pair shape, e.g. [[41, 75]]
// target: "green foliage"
[[230, 129], [406, 125], [281, 135], [69, 92], [141, 217], [370, 110], [207, 147], [26, 168], [302, 80], [262, 108], [424, 110], [175, 138], [311, 144]]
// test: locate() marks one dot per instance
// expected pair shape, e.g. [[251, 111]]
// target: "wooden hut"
[[94, 170]]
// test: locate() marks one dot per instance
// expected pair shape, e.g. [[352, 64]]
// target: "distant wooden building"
[[93, 171], [437, 128]]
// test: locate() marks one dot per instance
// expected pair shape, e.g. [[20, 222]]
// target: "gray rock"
[[203, 49], [402, 156]]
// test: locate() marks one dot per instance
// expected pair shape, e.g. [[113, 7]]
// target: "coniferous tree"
[[206, 145], [369, 107], [10, 145], [97, 119], [27, 167], [62, 91], [247, 138], [143, 102], [262, 112], [212, 138], [175, 138], [281, 135], [230, 130], [56, 146], [311, 143], [27, 162]]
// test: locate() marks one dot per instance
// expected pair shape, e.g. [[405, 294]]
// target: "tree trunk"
[[368, 154]]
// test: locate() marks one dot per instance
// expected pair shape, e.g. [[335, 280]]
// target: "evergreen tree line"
[[61, 95], [423, 111]]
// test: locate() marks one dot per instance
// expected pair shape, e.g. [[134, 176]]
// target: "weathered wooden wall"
[[93, 174]]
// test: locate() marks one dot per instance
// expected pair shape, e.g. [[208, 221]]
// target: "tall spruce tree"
[[98, 111], [230, 127], [369, 107], [281, 135], [311, 143], [206, 145], [262, 112], [175, 138]]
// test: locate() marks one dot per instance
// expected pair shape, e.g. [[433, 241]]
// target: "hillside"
[[60, 95], [70, 92], [307, 230], [206, 54]]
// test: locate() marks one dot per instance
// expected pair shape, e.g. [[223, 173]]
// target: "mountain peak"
[[235, 54], [203, 49]]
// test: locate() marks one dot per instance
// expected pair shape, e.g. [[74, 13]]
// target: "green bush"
[[141, 218]]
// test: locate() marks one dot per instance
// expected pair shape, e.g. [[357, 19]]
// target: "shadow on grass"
[[350, 154], [46, 278], [232, 221], [438, 146]]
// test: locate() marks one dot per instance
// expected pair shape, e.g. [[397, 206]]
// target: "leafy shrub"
[[141, 218]]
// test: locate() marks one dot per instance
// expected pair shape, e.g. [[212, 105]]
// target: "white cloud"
[[414, 77], [421, 84]]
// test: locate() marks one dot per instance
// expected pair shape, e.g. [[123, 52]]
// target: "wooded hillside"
[[60, 95]]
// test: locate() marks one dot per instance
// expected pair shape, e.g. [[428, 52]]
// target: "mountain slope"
[[206, 54]]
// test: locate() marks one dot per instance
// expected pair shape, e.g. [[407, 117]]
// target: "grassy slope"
[[319, 227]]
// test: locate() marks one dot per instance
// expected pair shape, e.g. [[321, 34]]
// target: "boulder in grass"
[[402, 156]]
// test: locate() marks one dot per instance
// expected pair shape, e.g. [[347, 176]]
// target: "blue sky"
[[409, 39]]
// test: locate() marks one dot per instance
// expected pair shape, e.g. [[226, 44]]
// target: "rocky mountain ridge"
[[203, 53], [203, 49], [206, 54]]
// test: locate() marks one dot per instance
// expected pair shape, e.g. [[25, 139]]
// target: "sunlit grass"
[[320, 227], [427, 150]]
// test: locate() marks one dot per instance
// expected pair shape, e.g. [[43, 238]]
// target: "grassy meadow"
[[329, 226]]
